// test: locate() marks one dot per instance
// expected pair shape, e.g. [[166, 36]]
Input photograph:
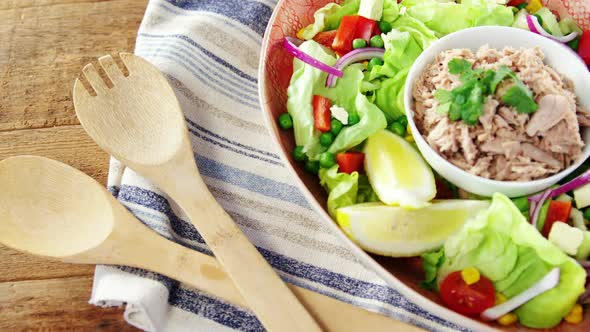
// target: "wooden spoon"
[[52, 210], [139, 121]]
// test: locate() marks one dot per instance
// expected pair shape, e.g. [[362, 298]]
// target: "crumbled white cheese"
[[566, 238], [339, 114]]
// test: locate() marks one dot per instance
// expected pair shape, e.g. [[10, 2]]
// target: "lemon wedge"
[[397, 172], [399, 232]]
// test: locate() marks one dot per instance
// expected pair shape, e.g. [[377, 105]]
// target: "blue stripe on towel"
[[251, 181], [290, 266], [203, 49], [222, 138], [199, 60], [252, 14], [215, 310]]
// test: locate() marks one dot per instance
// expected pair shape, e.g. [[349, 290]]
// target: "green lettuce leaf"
[[508, 250], [371, 121], [401, 50], [305, 80], [431, 262], [447, 17], [333, 19], [342, 188], [319, 23], [347, 94]]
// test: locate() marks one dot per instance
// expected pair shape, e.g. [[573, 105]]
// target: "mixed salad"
[[521, 260]]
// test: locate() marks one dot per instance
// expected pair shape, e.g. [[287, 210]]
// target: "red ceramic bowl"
[[276, 67]]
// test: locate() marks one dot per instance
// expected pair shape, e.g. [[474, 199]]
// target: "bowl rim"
[[413, 75], [366, 260]]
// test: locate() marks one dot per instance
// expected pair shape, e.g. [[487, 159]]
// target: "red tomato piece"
[[345, 34], [321, 113], [365, 28], [515, 3], [558, 211], [584, 47], [325, 38], [467, 299], [350, 162]]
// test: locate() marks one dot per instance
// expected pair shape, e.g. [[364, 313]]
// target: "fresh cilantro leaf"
[[519, 96], [443, 108], [503, 72], [473, 108], [443, 96], [486, 80], [455, 112], [459, 66]]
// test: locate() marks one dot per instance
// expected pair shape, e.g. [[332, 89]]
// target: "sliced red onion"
[[292, 46], [536, 27], [536, 201], [357, 55], [585, 264], [549, 281]]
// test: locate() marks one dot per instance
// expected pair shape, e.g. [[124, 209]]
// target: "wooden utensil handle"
[[276, 307], [206, 274]]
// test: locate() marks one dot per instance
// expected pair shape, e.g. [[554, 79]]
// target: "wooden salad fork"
[[137, 119]]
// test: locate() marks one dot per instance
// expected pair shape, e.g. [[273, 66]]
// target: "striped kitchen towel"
[[209, 51]]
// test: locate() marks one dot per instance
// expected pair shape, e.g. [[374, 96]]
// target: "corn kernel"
[[507, 319], [534, 6], [575, 315], [300, 33], [470, 275], [409, 130], [500, 298], [409, 138]]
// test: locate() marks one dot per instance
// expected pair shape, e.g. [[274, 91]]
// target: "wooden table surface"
[[43, 46]]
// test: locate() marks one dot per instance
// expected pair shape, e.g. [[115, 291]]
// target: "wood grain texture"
[[55, 305], [68, 144], [43, 46]]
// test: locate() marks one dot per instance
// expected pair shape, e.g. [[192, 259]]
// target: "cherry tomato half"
[[467, 299]]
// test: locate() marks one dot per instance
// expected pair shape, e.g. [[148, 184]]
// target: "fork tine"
[[94, 78], [110, 67]]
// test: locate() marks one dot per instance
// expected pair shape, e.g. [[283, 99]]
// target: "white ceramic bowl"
[[557, 56]]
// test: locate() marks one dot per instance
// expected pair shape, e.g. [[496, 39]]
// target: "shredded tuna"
[[505, 144]]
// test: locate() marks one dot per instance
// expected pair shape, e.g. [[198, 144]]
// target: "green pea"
[[327, 160], [376, 41], [298, 154], [312, 167], [374, 62], [335, 127], [285, 121], [587, 214], [326, 139], [403, 120], [398, 129], [353, 118], [359, 43], [384, 26]]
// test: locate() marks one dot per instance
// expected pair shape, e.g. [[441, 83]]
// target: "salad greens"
[[513, 255], [469, 13], [304, 81], [374, 43]]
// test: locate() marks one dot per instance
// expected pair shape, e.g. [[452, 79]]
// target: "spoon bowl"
[[48, 215]]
